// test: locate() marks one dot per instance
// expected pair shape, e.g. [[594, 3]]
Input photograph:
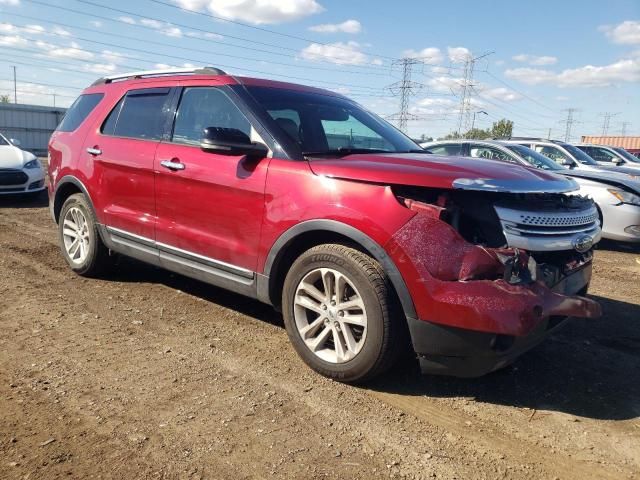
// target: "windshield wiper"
[[342, 151]]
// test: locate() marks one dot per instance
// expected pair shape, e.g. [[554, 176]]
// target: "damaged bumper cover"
[[479, 308]]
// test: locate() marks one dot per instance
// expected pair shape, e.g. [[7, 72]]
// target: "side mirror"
[[565, 162], [619, 162], [231, 141], [15, 142]]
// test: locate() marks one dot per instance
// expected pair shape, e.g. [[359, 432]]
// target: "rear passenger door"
[[123, 150], [210, 205]]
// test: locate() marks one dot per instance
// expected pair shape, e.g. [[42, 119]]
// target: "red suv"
[[304, 200]]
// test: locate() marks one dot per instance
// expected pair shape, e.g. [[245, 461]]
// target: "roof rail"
[[159, 73]]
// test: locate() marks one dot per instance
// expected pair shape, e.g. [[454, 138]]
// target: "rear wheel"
[[337, 306], [80, 240]]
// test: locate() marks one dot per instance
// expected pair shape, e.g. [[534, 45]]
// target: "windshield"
[[4, 141], [627, 155], [326, 125], [579, 155], [534, 158]]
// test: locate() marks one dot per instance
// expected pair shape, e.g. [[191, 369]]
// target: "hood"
[[441, 172], [13, 157], [632, 171], [613, 179]]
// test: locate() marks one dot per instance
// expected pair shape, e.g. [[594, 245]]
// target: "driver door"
[[209, 205]]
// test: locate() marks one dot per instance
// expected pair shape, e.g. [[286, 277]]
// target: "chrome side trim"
[[178, 252], [219, 264]]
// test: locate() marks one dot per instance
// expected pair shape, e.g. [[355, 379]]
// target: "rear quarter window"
[[79, 111]]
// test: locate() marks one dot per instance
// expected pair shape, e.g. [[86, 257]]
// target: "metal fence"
[[31, 124]]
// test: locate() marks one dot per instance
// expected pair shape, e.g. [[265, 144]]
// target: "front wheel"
[[337, 306]]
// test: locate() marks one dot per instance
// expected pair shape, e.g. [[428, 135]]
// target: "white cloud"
[[256, 11], [444, 84], [128, 20], [626, 70], [208, 35], [162, 27], [429, 54], [147, 22], [95, 23], [61, 32], [348, 26], [500, 93], [458, 54], [9, 2], [535, 59], [626, 33], [339, 53], [73, 51], [37, 29]]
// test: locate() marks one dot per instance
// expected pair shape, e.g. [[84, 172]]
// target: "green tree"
[[4, 99], [502, 128], [477, 134]]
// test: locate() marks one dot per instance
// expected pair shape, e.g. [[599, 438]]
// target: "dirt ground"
[[146, 374]]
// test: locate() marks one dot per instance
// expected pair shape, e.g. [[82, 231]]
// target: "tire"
[[92, 257], [369, 351]]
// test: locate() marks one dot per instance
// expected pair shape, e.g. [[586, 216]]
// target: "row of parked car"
[[608, 175], [302, 199]]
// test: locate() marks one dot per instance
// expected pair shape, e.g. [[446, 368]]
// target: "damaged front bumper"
[[480, 308], [459, 352]]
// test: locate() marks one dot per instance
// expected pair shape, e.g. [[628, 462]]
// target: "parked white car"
[[20, 171], [616, 195], [610, 156]]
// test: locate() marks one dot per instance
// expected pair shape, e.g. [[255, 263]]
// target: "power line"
[[405, 89], [187, 59], [518, 91], [329, 58], [235, 22], [208, 52]]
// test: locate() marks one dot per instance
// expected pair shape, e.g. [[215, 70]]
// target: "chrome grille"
[[549, 230]]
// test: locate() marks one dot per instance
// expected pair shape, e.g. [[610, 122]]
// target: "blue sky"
[[545, 58]]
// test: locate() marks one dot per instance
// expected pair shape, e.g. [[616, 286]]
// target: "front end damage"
[[492, 273]]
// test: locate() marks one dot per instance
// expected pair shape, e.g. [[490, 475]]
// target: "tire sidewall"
[[78, 201], [368, 356]]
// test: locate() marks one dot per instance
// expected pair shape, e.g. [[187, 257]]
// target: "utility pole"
[[405, 89], [607, 120], [473, 122], [54, 99], [15, 86], [569, 121], [549, 135], [624, 128], [464, 114]]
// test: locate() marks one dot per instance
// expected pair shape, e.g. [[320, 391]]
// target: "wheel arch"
[[67, 186], [305, 235]]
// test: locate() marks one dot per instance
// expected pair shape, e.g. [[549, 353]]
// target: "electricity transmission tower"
[[607, 121], [624, 128], [405, 89], [464, 114], [568, 122]]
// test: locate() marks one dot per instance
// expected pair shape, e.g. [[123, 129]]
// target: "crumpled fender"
[[456, 283]]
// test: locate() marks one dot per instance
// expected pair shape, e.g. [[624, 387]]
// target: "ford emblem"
[[583, 243]]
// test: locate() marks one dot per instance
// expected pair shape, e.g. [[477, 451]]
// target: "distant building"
[[632, 144], [31, 124]]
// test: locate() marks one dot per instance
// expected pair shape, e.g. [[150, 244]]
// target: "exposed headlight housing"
[[624, 196], [35, 163]]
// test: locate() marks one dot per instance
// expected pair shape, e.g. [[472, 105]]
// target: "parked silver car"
[[616, 195], [568, 155], [610, 156]]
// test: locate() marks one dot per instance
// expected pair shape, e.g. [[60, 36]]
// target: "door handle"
[[173, 164], [94, 151]]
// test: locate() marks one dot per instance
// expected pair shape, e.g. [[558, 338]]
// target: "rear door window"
[[78, 111], [553, 153], [143, 115]]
